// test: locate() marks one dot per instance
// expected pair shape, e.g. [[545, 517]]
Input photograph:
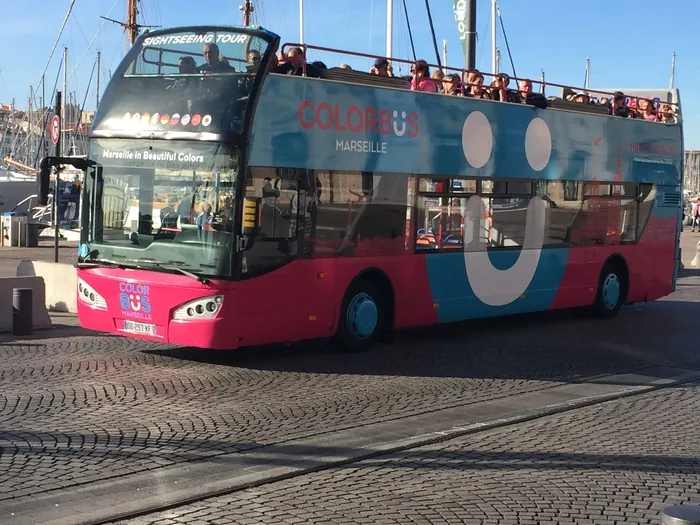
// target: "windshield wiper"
[[171, 268], [95, 264]]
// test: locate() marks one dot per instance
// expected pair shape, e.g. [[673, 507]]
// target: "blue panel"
[[423, 133], [456, 299]]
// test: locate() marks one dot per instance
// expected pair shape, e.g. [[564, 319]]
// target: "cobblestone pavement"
[[618, 462], [80, 409]]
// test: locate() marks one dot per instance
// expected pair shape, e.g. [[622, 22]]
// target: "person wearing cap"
[[381, 68], [620, 108]]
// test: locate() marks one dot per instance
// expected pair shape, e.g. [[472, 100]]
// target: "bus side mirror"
[[252, 207], [43, 180]]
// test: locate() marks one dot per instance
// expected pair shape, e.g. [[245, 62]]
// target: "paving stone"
[[81, 409]]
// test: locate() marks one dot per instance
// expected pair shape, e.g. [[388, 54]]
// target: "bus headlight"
[[204, 308], [89, 296]]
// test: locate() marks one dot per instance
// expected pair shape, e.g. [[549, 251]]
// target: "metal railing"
[[464, 76]]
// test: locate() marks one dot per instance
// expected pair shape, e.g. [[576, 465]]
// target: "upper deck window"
[[189, 85], [194, 54]]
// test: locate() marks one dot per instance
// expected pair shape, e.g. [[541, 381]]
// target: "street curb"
[[392, 447]]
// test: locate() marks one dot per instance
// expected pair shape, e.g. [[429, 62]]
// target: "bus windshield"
[[166, 206], [182, 83]]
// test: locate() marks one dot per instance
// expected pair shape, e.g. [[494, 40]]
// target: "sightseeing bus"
[[226, 205]]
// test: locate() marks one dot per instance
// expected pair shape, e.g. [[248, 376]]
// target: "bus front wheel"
[[363, 317], [612, 290]]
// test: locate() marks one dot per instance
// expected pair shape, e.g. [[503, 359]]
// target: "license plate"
[[140, 328]]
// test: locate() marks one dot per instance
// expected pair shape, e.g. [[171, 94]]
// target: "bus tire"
[[612, 290], [363, 317]]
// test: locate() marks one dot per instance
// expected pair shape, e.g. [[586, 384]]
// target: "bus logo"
[[355, 119], [134, 300]]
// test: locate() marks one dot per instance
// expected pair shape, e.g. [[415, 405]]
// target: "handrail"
[[577, 90], [162, 50]]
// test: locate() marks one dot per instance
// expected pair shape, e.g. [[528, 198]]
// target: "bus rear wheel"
[[363, 317], [612, 290]]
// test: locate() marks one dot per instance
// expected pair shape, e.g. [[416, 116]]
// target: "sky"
[[630, 44]]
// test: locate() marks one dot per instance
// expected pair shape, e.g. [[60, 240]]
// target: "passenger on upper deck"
[[667, 115], [421, 81], [213, 61], [381, 68], [620, 108], [476, 87], [497, 89], [187, 65], [294, 65], [648, 110], [451, 85], [525, 89], [437, 77], [253, 60]]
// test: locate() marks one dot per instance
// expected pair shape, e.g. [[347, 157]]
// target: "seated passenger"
[[437, 77], [647, 110], [525, 89], [253, 58], [421, 81], [213, 61], [620, 108], [205, 216], [497, 90], [295, 65], [381, 68], [187, 65], [667, 115], [451, 85], [477, 89], [345, 66]]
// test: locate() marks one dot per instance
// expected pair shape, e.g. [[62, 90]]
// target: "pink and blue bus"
[[226, 205]]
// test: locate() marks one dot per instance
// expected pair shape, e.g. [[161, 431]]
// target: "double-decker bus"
[[225, 205]]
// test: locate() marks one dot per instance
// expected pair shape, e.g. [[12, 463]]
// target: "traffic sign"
[[55, 129]]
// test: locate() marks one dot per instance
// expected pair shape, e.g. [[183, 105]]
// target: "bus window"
[[182, 82], [367, 214], [563, 207], [156, 212]]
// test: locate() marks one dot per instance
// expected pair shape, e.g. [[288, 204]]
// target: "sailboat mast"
[[494, 37], [389, 27], [132, 26], [672, 81], [99, 60], [301, 21], [65, 91], [247, 10]]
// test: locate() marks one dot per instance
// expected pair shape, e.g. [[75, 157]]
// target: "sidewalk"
[[10, 257]]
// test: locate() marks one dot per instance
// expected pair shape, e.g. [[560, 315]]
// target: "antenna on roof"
[[672, 82], [587, 80]]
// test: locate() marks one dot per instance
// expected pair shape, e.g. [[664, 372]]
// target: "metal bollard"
[[696, 260], [681, 515], [22, 311]]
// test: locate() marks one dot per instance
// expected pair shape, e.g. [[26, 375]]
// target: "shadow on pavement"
[[554, 346]]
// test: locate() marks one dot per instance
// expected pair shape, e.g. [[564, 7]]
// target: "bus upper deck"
[[216, 70]]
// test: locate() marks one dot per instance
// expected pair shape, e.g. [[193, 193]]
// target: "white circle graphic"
[[477, 139], [538, 144]]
